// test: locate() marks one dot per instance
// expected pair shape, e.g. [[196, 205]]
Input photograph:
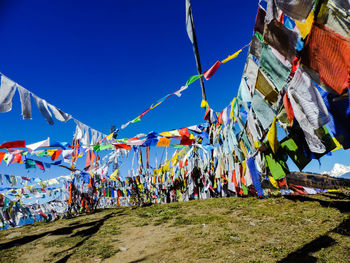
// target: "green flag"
[[192, 79]]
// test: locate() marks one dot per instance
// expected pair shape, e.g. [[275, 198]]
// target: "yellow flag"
[[339, 146], [232, 107], [256, 144], [170, 133], [305, 27], [51, 152], [204, 104], [114, 175], [244, 166], [273, 182], [234, 55], [110, 136], [272, 136]]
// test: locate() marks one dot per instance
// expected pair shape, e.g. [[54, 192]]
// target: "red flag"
[[210, 72], [14, 144], [186, 140], [288, 107], [56, 154], [122, 146], [17, 159], [40, 165], [184, 132], [207, 115], [2, 156], [220, 121]]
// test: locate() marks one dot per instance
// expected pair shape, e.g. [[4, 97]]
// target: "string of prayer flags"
[[8, 89]]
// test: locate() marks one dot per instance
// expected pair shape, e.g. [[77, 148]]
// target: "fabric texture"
[[272, 136], [263, 111], [244, 93], [255, 176], [255, 47], [329, 54], [14, 144], [251, 72], [281, 38], [277, 166], [288, 108], [25, 102], [305, 27], [339, 109], [43, 108], [273, 68], [32, 147], [335, 15], [7, 91], [266, 88], [296, 148], [59, 114], [297, 9], [259, 20], [210, 72], [309, 108], [272, 12]]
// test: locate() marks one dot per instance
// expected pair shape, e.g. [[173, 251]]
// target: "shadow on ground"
[[303, 254], [92, 228]]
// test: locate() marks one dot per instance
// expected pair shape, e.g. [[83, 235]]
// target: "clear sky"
[[106, 61]]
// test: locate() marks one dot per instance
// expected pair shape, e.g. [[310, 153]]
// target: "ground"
[[282, 229]]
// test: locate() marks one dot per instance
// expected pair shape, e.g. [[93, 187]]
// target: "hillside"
[[286, 229]]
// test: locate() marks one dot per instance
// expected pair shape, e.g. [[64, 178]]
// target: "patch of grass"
[[109, 230], [63, 241], [140, 223], [161, 220], [158, 211], [218, 229], [9, 255], [199, 220], [96, 247], [227, 238]]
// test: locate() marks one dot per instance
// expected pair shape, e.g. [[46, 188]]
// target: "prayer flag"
[[234, 55], [192, 79], [14, 144], [210, 72], [163, 142]]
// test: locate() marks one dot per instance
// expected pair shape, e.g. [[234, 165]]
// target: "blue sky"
[[105, 62]]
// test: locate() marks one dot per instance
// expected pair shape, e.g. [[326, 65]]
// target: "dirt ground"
[[285, 229]]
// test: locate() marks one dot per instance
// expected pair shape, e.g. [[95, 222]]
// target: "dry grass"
[[294, 229]]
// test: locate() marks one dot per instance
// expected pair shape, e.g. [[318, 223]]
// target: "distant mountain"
[[340, 171]]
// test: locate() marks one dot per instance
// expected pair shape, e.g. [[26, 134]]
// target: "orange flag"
[[56, 154], [2, 156], [92, 159], [88, 159], [97, 163], [163, 142]]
